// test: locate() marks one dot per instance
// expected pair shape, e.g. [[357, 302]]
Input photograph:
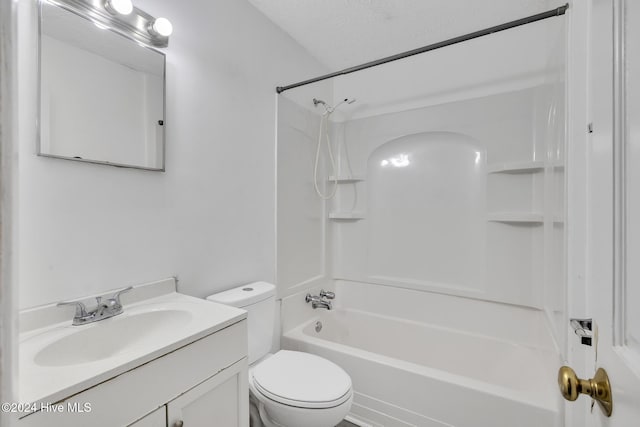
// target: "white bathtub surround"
[[504, 322], [448, 250], [302, 236], [431, 225], [421, 233], [437, 363]]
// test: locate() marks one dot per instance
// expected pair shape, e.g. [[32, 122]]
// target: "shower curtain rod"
[[512, 24]]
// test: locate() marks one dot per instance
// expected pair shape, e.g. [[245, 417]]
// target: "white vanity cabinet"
[[157, 418], [203, 383], [216, 402]]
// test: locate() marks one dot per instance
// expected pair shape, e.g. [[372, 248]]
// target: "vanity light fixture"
[[122, 17], [119, 7], [161, 27]]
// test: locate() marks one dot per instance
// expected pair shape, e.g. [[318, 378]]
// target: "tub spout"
[[321, 304]]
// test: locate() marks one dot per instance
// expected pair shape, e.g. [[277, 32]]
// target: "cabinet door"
[[157, 418], [221, 401]]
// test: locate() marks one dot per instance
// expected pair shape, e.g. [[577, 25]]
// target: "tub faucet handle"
[[327, 294], [318, 301]]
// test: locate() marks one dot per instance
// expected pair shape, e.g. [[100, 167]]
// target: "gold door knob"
[[598, 387]]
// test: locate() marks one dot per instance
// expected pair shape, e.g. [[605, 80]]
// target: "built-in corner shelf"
[[523, 217], [524, 167], [516, 217], [517, 167], [344, 179], [346, 216]]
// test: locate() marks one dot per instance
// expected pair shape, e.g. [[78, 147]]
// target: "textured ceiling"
[[344, 33]]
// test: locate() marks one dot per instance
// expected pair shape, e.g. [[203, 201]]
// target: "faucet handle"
[[116, 296], [81, 309], [327, 294]]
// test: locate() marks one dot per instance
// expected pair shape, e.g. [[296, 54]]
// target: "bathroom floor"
[[346, 424]]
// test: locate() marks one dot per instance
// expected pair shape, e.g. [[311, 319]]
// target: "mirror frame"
[[121, 29]]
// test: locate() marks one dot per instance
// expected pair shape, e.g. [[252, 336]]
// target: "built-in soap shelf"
[[345, 179], [350, 215], [516, 217], [524, 167], [517, 167], [522, 217], [346, 216]]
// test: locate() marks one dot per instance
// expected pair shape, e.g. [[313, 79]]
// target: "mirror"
[[101, 93]]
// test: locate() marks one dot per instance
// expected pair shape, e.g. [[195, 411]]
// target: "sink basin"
[[110, 337], [58, 360]]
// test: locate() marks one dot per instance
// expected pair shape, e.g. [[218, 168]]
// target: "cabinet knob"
[[179, 423]]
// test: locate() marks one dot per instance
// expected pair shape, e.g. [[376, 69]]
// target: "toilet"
[[288, 388]]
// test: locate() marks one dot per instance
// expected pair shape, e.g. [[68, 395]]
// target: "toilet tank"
[[259, 299]]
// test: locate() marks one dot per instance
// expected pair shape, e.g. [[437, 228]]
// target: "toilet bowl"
[[292, 388], [288, 388]]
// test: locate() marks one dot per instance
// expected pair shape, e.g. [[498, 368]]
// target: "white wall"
[[210, 219]]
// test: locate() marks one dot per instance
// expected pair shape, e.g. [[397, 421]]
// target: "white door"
[[611, 217]]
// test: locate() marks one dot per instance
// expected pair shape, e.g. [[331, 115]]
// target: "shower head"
[[344, 101], [330, 109]]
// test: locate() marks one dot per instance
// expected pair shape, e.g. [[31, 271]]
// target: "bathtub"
[[412, 373]]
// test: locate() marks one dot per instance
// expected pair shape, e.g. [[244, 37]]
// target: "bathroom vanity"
[[167, 360]]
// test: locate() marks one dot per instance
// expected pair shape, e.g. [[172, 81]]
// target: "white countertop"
[[49, 384]]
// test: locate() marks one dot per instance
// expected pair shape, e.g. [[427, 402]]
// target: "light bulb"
[[122, 7], [161, 27]]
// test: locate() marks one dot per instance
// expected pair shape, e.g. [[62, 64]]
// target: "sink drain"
[[318, 326]]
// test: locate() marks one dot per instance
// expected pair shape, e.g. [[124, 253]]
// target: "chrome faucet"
[[104, 309], [322, 300]]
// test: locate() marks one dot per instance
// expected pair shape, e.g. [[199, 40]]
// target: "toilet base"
[[295, 417], [264, 417], [254, 412]]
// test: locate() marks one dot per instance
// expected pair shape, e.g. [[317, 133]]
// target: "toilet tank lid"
[[245, 295]]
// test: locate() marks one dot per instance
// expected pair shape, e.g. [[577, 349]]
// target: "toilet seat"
[[301, 380]]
